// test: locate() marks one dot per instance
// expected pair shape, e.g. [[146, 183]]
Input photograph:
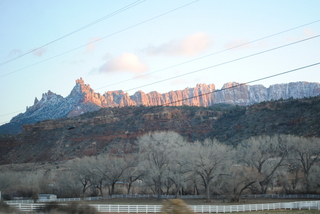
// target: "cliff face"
[[84, 99]]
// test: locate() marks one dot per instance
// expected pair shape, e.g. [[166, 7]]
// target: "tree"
[[8, 180], [111, 169], [83, 169], [306, 153], [132, 173], [207, 160], [68, 184], [264, 154], [157, 151], [238, 180]]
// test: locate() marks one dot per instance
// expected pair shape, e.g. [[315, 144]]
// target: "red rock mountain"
[[83, 99]]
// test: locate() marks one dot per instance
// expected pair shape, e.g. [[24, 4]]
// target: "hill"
[[95, 132], [82, 99]]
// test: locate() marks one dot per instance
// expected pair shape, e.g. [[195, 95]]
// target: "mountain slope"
[[95, 132], [83, 99]]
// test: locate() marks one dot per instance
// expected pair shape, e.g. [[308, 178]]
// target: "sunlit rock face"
[[83, 98]]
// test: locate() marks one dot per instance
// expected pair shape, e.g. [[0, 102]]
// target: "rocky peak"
[[35, 101], [83, 98]]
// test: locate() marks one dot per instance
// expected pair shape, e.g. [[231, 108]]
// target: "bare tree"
[[83, 169], [111, 169], [264, 154], [157, 152], [68, 184], [237, 181], [207, 160], [132, 173], [306, 153], [8, 180]]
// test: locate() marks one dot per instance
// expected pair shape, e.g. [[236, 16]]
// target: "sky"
[[151, 45]]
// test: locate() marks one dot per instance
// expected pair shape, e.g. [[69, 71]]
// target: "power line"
[[238, 85], [120, 31], [252, 81], [79, 29], [227, 62], [218, 52]]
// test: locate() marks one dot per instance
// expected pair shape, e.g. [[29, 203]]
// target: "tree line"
[[165, 163]]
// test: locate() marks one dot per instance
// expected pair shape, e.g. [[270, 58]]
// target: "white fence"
[[197, 208], [167, 197]]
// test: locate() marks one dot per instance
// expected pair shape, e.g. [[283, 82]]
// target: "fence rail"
[[167, 197], [196, 208]]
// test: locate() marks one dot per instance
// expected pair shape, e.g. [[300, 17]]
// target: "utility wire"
[[77, 30], [239, 85], [218, 52], [272, 49], [227, 62], [120, 31]]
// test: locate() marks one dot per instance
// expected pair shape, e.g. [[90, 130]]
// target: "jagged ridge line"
[[282, 73], [79, 29], [196, 58], [282, 46], [248, 56], [241, 84]]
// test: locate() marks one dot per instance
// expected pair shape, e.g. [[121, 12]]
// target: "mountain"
[[83, 99], [101, 131]]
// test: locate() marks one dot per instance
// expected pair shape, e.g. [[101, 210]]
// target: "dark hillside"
[[93, 133]]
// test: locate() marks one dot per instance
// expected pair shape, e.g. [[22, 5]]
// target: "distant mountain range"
[[83, 99]]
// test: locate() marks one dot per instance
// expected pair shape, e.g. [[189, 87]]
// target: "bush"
[[73, 208], [5, 208]]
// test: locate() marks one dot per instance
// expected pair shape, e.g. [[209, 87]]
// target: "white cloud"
[[189, 46], [127, 62]]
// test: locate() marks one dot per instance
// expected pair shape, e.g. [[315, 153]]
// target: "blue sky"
[[147, 38]]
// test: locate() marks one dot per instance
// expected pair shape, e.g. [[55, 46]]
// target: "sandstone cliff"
[[84, 99]]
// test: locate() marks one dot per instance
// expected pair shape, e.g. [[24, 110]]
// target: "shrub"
[[73, 208], [5, 208]]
